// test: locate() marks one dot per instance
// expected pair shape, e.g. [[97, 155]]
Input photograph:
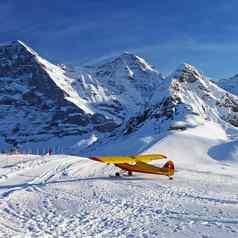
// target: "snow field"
[[63, 196]]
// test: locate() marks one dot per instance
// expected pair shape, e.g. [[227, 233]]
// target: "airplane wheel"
[[129, 173], [117, 174]]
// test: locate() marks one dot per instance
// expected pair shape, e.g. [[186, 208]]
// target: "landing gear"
[[129, 173], [117, 174]]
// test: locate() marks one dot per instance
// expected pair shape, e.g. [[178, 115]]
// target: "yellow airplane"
[[138, 164]]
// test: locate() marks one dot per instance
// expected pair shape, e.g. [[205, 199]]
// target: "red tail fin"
[[169, 164]]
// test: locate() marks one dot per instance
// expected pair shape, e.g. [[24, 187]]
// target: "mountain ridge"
[[230, 84], [112, 99]]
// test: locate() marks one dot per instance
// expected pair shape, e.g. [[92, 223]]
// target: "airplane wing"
[[128, 159], [148, 158], [114, 159]]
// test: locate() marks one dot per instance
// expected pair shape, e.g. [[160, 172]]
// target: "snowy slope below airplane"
[[66, 196]]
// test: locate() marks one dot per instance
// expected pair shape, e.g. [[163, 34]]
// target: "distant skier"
[[50, 151]]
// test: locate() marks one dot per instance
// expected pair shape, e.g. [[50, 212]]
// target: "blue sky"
[[164, 32]]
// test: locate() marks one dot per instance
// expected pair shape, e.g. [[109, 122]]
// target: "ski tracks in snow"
[[62, 201]]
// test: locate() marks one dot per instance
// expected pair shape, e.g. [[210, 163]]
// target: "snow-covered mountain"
[[43, 104], [38, 102], [41, 101], [184, 100], [203, 96], [119, 88]]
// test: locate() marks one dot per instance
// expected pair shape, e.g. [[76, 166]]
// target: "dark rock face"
[[135, 122], [19, 64], [187, 76], [108, 126], [168, 106], [229, 102]]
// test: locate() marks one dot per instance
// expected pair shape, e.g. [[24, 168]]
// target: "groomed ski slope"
[[69, 196]]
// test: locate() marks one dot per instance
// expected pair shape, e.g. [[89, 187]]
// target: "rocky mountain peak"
[[132, 60], [16, 48], [127, 63], [187, 73], [16, 59]]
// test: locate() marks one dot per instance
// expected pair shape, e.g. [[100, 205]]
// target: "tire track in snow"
[[134, 206]]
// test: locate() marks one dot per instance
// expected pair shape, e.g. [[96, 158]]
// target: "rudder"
[[169, 166]]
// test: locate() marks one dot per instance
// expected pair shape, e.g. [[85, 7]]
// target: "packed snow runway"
[[63, 196]]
